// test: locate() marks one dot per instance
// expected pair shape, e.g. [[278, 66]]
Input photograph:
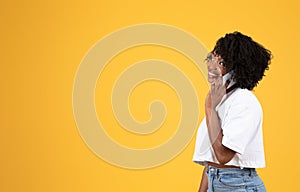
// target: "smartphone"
[[226, 77]]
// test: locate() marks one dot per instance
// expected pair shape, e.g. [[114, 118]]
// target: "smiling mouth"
[[211, 75]]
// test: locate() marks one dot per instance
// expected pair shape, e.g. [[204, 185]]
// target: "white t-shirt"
[[241, 116]]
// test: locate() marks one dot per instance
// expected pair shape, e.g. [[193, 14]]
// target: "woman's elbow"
[[225, 155]]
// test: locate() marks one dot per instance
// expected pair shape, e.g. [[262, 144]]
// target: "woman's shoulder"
[[245, 97]]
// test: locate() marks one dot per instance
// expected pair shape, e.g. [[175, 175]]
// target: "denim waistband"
[[223, 171]]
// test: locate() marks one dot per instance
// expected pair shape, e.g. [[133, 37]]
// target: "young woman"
[[229, 140]]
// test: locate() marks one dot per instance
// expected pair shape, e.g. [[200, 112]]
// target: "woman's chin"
[[210, 80]]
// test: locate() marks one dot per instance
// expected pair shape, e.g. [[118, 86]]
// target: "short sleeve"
[[241, 124]]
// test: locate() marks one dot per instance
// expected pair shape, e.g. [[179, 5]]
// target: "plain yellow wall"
[[43, 43]]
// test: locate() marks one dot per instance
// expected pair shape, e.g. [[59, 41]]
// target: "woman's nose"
[[211, 65]]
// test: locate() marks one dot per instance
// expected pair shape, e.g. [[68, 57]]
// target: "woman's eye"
[[222, 63]]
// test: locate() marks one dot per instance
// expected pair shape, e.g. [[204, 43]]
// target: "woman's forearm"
[[223, 154], [204, 182]]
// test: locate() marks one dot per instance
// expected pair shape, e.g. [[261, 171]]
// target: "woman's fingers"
[[217, 83]]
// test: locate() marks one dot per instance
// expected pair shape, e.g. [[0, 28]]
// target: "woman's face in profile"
[[215, 67]]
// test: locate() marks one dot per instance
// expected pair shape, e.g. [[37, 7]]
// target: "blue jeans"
[[234, 180]]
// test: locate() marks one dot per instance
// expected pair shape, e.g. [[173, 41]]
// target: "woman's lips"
[[212, 75]]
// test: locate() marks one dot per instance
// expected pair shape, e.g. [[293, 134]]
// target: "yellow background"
[[42, 44]]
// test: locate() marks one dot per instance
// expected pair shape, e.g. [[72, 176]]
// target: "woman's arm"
[[204, 182], [223, 154]]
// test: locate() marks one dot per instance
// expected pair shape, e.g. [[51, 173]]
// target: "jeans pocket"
[[257, 188], [231, 182]]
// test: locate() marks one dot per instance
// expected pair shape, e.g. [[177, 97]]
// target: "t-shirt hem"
[[241, 164]]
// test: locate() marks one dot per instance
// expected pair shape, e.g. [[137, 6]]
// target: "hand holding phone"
[[218, 89]]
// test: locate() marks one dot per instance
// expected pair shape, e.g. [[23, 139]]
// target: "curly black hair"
[[246, 58]]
